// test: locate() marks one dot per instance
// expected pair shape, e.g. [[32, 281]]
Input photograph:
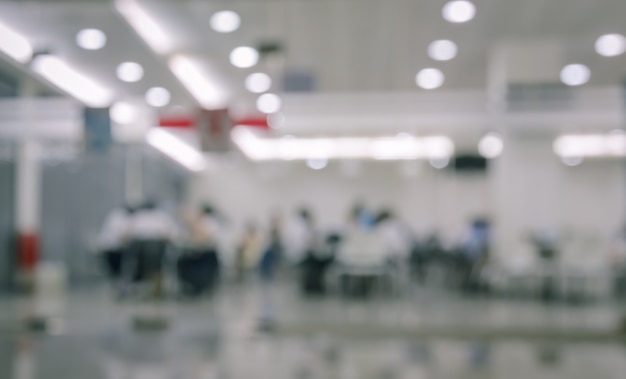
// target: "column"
[[521, 182], [27, 212], [27, 191]]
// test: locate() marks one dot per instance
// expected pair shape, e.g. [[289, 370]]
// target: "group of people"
[[134, 242]]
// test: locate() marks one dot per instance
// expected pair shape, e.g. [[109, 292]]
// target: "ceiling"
[[346, 45]]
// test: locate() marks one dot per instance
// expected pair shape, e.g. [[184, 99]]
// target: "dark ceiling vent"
[[539, 96], [298, 81], [270, 47]]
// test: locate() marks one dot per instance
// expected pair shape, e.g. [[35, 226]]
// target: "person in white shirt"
[[151, 230], [308, 250], [113, 242], [199, 266], [395, 237], [299, 237]]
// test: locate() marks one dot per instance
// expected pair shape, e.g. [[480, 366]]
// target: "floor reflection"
[[219, 338]]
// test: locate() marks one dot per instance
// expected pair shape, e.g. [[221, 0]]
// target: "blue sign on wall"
[[97, 129]]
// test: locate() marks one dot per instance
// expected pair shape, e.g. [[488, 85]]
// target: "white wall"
[[533, 189]]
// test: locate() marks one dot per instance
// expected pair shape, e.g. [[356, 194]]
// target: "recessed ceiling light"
[[442, 50], [429, 78], [258, 82], [439, 163], [129, 72], [268, 103], [225, 21], [317, 163], [491, 146], [459, 11], [123, 113], [572, 161], [611, 45], [158, 97], [244, 57], [575, 74], [91, 39]]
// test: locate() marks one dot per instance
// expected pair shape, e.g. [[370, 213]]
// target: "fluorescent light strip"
[[78, 85], [378, 148], [177, 149], [14, 44], [145, 25], [591, 145], [205, 90]]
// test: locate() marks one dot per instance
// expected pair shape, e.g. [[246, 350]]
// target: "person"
[[474, 253], [268, 266], [361, 217], [249, 251], [617, 261], [299, 236], [152, 230], [199, 267], [426, 253], [396, 237], [273, 252], [112, 243], [315, 259]]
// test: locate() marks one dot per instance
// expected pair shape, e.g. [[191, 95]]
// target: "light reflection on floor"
[[218, 338]]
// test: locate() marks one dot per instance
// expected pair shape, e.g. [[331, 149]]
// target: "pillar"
[[27, 210], [522, 191], [27, 190]]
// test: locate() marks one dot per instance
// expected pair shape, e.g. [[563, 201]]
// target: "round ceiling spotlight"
[[268, 103], [158, 97], [442, 50], [491, 146], [439, 163], [575, 74], [572, 161], [225, 21], [611, 45], [129, 72], [123, 113], [91, 39], [429, 78], [244, 57], [459, 11], [258, 82], [317, 163]]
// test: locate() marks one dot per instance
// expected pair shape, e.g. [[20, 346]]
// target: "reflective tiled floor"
[[219, 337]]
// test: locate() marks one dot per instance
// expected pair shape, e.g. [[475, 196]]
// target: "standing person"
[[617, 261], [152, 230], [474, 253], [397, 241], [112, 243], [314, 259], [199, 267], [248, 252], [299, 236], [268, 266], [273, 253]]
